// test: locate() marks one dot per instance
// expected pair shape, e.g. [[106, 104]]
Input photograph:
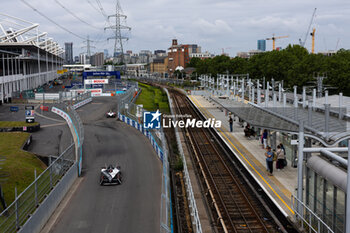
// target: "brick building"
[[159, 65], [178, 56]]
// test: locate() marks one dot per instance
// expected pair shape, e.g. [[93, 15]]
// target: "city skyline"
[[234, 26]]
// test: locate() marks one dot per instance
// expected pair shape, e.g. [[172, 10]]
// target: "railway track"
[[234, 207]]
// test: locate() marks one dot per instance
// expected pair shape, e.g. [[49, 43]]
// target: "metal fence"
[[132, 114], [189, 191], [308, 220], [16, 214]]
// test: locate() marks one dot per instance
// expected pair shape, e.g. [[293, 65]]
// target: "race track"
[[133, 206]]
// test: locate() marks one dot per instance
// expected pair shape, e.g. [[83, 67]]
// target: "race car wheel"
[[119, 178]]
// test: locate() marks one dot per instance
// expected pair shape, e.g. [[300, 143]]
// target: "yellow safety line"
[[279, 197]]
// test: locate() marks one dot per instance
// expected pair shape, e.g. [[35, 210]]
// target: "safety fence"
[[27, 202], [189, 190], [16, 214], [308, 220], [131, 114], [147, 133]]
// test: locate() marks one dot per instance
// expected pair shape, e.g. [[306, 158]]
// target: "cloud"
[[218, 26], [211, 24]]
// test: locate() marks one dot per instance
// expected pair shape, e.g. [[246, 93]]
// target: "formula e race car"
[[110, 175], [111, 114]]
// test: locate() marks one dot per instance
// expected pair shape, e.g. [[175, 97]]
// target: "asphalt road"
[[133, 206]]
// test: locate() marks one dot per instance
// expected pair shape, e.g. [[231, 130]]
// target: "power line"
[[101, 8], [92, 5], [74, 15], [58, 25]]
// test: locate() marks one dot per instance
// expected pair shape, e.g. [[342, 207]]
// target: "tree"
[[193, 62], [294, 65]]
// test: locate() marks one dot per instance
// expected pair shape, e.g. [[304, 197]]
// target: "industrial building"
[[178, 56], [28, 57]]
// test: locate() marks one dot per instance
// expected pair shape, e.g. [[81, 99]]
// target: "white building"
[[202, 55], [28, 57]]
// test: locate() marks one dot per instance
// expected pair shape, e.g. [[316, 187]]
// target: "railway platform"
[[278, 187]]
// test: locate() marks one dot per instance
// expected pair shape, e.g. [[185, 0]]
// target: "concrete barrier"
[[42, 214]]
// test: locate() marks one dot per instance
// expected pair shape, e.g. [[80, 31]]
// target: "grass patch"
[[18, 166], [10, 124], [153, 98]]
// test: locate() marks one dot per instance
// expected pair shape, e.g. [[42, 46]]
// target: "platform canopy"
[[287, 119]]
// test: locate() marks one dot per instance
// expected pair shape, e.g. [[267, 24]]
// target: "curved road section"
[[133, 206]]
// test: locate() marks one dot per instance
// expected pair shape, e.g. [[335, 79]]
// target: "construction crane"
[[302, 43], [313, 40], [336, 47], [273, 38]]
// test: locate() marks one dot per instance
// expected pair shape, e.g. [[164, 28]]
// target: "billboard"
[[96, 81]]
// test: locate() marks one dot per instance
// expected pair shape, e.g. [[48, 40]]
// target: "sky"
[[232, 25]]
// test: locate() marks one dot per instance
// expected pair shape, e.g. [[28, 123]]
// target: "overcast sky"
[[235, 25]]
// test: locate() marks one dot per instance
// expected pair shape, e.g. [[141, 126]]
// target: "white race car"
[[111, 114], [110, 175]]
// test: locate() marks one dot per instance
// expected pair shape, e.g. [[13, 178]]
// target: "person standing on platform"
[[269, 160], [284, 153], [230, 121], [280, 158], [264, 138]]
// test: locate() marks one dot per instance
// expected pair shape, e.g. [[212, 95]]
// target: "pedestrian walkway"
[[278, 187]]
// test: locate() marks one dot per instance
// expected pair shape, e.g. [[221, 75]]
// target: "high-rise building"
[[262, 45], [68, 56], [193, 48], [105, 52], [97, 59], [178, 56], [83, 59], [76, 59]]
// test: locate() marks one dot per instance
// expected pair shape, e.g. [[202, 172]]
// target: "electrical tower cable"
[[58, 25], [75, 16], [92, 5], [101, 8]]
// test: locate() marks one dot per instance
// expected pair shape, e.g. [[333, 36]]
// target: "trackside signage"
[[62, 114], [96, 81], [155, 120]]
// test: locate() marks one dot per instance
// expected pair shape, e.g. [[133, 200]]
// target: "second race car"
[[111, 114]]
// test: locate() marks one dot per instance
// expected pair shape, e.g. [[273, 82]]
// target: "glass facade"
[[326, 200], [262, 45]]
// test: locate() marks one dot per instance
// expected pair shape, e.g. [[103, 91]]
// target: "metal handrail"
[[319, 220]]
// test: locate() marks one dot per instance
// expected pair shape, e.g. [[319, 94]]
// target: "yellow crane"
[[273, 38], [313, 40]]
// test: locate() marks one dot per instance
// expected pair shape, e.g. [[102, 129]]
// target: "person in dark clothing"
[[284, 155], [264, 138], [269, 160], [230, 121]]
